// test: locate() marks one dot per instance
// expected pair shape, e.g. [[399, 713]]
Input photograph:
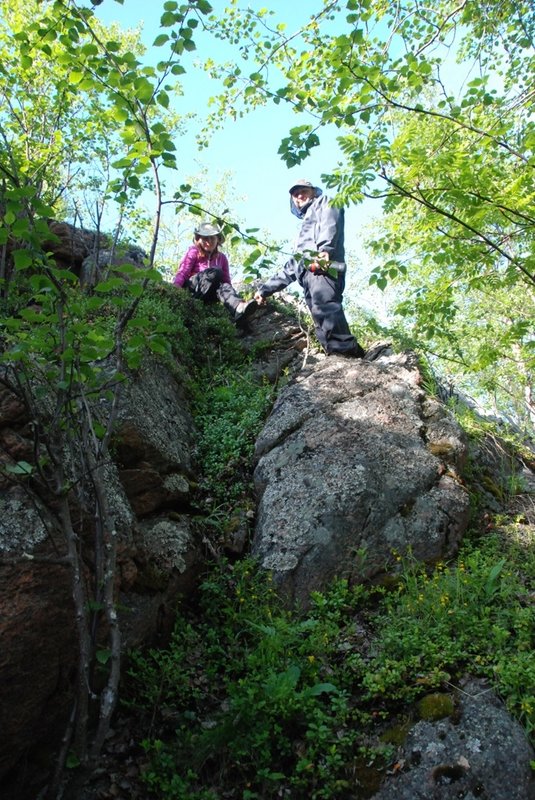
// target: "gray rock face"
[[94, 268], [153, 440], [154, 424], [484, 755], [148, 491], [22, 527], [355, 466]]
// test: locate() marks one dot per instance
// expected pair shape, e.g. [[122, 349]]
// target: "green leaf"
[[21, 227], [153, 275], [143, 89], [491, 583], [163, 99], [122, 163], [109, 285], [89, 49], [159, 346], [23, 259], [167, 19], [75, 76], [20, 468], [322, 688], [100, 430], [120, 114], [94, 605], [72, 761], [41, 283], [103, 656]]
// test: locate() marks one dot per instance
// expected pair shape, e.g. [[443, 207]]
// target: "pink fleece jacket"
[[194, 261]]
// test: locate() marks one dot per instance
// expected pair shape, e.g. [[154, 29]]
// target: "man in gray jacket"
[[318, 267]]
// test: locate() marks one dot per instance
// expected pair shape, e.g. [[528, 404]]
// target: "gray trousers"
[[323, 296], [207, 286], [227, 295]]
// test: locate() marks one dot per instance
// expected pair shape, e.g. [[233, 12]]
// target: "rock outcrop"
[[356, 465], [479, 752], [70, 245], [148, 488], [151, 485]]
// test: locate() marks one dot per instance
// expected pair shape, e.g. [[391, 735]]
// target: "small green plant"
[[228, 415], [256, 701], [466, 616], [265, 710], [429, 378]]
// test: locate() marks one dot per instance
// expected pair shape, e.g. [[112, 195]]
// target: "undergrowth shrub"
[[475, 615], [201, 337], [251, 700], [229, 413], [264, 710], [228, 404]]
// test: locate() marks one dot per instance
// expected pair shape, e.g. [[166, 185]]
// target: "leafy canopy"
[[433, 108]]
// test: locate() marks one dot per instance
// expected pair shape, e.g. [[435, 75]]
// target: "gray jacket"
[[322, 229]]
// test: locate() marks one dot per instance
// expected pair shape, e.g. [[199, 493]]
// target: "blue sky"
[[247, 148]]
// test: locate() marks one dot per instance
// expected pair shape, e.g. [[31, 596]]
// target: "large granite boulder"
[[356, 465]]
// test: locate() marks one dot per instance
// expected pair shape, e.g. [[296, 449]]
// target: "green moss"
[[435, 706], [397, 734], [368, 777]]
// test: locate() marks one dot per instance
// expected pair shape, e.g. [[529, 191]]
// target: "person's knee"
[[325, 309]]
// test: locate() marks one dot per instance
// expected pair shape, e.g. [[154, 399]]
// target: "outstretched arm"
[[278, 282]]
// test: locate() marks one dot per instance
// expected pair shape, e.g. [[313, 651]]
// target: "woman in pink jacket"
[[205, 271]]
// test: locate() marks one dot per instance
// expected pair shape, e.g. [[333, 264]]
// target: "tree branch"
[[419, 198], [431, 113]]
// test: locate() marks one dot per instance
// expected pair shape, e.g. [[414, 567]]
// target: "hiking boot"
[[354, 352], [245, 310], [378, 350]]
